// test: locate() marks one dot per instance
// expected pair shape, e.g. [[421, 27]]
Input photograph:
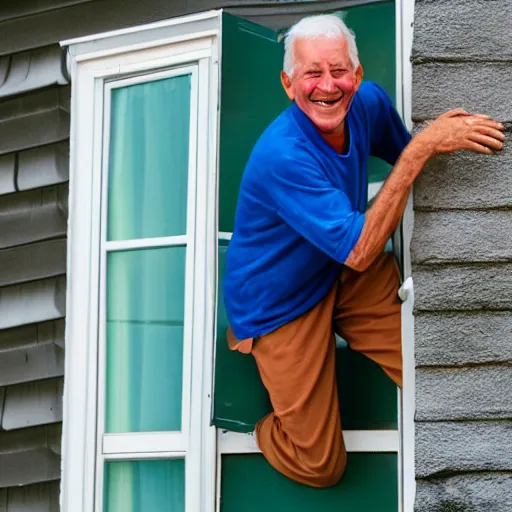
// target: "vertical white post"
[[404, 39]]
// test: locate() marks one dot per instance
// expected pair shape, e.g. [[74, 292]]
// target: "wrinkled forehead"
[[320, 50]]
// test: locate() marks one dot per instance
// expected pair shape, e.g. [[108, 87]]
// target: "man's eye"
[[313, 73], [337, 73]]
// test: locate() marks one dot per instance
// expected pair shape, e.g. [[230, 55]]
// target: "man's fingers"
[[491, 132], [485, 140], [455, 112], [478, 148], [490, 123]]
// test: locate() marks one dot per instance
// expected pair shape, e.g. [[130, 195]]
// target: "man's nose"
[[327, 83]]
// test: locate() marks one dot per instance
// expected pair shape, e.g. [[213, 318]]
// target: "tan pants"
[[302, 438]]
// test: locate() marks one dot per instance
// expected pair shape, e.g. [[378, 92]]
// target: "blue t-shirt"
[[301, 210]]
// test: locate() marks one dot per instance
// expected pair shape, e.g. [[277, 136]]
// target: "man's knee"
[[330, 473]]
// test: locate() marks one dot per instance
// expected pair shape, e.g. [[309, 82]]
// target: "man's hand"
[[457, 129]]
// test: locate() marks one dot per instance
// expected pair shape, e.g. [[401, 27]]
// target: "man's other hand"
[[458, 129]]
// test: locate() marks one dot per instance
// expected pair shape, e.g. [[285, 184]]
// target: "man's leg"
[[302, 438], [367, 314]]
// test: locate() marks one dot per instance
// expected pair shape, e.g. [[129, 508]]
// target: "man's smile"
[[327, 102]]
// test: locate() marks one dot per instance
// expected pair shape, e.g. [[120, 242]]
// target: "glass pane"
[[143, 486], [148, 166], [145, 314]]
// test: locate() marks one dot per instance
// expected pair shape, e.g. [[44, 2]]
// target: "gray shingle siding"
[[34, 133], [462, 265]]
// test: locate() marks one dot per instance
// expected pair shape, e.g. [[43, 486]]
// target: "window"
[[162, 124], [146, 317], [142, 247]]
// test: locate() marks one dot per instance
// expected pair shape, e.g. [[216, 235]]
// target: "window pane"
[[143, 486], [145, 314], [148, 167]]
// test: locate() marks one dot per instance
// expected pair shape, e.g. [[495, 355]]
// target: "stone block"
[[450, 447], [463, 287], [463, 338], [479, 393], [486, 492], [462, 236], [475, 86], [463, 28], [465, 180]]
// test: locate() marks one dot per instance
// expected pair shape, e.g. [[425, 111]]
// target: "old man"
[[306, 258]]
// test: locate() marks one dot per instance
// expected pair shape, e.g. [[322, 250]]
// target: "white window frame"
[[144, 445], [99, 64], [404, 14]]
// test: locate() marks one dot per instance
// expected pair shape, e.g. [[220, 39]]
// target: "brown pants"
[[302, 438]]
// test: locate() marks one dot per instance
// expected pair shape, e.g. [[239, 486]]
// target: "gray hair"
[[324, 25]]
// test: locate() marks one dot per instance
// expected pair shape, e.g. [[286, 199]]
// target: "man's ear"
[[287, 85], [359, 76]]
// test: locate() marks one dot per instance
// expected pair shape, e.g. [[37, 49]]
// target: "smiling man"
[[306, 258]]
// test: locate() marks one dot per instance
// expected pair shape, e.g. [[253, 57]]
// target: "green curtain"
[[145, 314], [144, 486], [147, 197], [148, 167]]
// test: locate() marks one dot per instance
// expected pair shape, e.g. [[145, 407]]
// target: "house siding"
[[462, 264]]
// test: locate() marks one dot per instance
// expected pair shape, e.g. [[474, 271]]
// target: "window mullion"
[[146, 243], [193, 281], [103, 127], [142, 456], [135, 444], [198, 493]]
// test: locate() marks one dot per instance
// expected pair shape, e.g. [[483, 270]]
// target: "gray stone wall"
[[462, 264]]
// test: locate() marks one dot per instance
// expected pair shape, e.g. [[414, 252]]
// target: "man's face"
[[324, 81]]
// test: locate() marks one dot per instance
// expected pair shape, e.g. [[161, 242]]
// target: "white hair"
[[323, 25]]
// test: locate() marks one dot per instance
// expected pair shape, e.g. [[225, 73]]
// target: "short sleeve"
[[308, 202], [388, 134]]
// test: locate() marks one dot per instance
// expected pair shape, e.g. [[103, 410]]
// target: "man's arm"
[[450, 132]]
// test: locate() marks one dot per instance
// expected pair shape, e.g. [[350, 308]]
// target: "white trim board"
[[178, 28], [146, 442], [225, 235], [404, 10], [361, 441]]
